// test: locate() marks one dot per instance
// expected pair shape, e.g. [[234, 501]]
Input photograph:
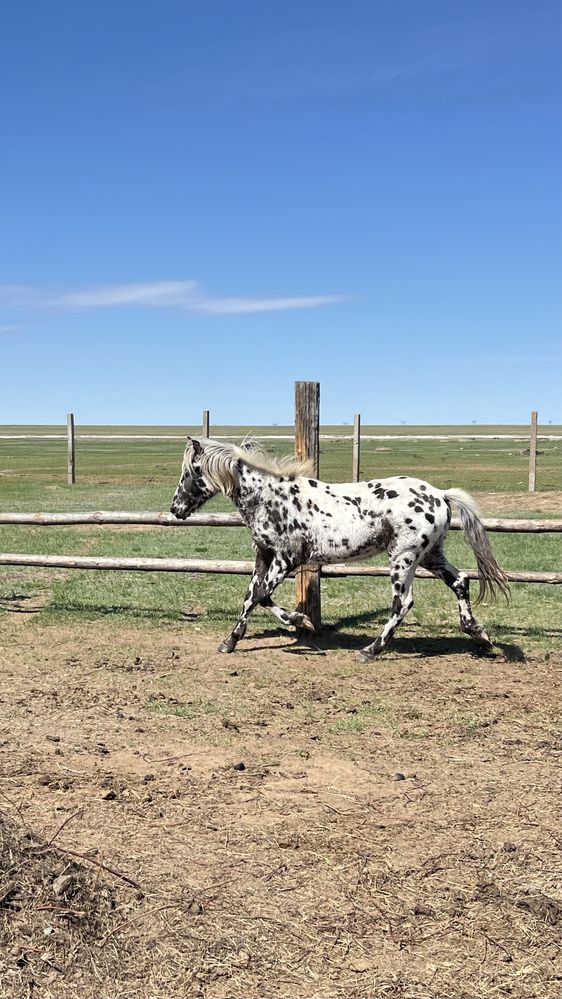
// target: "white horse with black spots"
[[296, 519]]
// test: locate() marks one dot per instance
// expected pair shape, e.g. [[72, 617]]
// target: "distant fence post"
[[533, 453], [71, 449], [307, 446], [356, 446], [205, 423]]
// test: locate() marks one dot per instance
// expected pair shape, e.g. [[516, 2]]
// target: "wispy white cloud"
[[237, 306], [183, 296], [9, 328]]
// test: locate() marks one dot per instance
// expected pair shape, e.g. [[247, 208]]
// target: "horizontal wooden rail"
[[102, 517], [228, 566]]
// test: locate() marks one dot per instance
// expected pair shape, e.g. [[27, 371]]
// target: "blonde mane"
[[218, 462]]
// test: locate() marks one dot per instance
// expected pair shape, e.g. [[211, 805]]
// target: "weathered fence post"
[[71, 449], [533, 453], [307, 446], [356, 446], [205, 423]]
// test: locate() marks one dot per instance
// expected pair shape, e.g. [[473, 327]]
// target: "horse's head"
[[194, 487]]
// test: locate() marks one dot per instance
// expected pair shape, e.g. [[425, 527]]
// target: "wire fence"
[[486, 463], [494, 459]]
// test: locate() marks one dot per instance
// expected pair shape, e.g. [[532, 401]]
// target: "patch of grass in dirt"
[[170, 706]]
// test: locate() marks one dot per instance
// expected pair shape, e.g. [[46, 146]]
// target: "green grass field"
[[142, 475]]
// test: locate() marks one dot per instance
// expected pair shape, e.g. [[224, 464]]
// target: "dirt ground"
[[284, 822]]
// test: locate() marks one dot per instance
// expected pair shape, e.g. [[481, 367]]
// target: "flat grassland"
[[286, 821]]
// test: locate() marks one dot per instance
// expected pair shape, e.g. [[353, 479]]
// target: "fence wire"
[[494, 465]]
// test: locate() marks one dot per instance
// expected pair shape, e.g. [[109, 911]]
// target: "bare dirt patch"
[[549, 503], [281, 822]]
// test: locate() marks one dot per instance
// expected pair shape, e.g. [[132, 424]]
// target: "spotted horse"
[[295, 518]]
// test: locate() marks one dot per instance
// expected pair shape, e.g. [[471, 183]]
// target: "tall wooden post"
[[71, 449], [307, 446], [205, 423], [533, 453], [356, 446]]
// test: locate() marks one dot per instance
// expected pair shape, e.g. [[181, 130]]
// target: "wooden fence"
[[237, 567], [307, 437]]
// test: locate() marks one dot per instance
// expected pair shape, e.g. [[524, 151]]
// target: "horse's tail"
[[490, 576]]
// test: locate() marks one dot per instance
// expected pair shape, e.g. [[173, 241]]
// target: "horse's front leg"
[[260, 588]]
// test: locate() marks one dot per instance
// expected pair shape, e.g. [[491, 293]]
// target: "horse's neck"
[[248, 490]]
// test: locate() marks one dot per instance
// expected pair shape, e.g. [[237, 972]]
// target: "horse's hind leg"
[[403, 568], [294, 618], [458, 582]]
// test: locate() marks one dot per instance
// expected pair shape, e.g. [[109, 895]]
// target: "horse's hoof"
[[225, 647], [305, 623], [365, 657], [484, 638]]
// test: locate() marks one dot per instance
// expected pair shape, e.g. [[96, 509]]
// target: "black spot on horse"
[[430, 517], [391, 494], [312, 482]]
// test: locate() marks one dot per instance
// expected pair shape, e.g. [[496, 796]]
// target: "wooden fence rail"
[[229, 567], [150, 519]]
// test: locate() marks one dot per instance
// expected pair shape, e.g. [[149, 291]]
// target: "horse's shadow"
[[334, 636]]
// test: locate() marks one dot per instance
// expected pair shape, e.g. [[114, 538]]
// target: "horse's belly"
[[367, 553], [343, 554]]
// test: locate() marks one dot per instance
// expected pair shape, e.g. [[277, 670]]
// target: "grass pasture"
[[285, 821]]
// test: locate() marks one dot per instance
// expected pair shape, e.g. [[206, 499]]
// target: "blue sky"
[[201, 202]]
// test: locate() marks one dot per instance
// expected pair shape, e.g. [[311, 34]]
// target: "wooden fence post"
[[533, 453], [71, 449], [307, 446], [356, 446], [205, 423]]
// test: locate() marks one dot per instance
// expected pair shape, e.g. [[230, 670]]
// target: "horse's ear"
[[197, 449]]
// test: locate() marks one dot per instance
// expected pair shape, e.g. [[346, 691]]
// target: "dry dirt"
[[284, 822], [549, 503]]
